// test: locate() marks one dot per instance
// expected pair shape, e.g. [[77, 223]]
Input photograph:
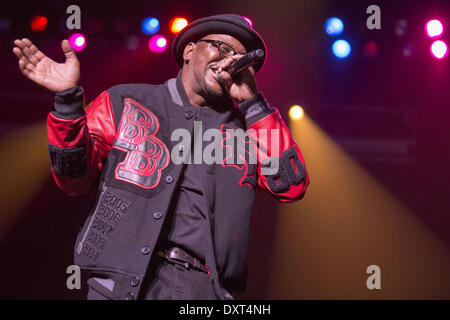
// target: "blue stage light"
[[341, 49], [334, 26], [150, 26]]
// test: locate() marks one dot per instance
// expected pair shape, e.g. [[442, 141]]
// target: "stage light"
[[177, 24], [439, 49], [157, 44], [408, 50], [334, 26], [401, 27], [38, 23], [150, 25], [77, 41], [296, 112], [132, 43], [371, 49], [24, 170], [434, 28], [341, 49], [387, 227], [249, 21]]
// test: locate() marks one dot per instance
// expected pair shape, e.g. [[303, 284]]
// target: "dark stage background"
[[389, 113]]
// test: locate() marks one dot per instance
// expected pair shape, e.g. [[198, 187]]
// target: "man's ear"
[[188, 52]]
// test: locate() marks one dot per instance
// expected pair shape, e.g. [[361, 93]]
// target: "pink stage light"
[[157, 44], [439, 50], [371, 49], [77, 41], [434, 28]]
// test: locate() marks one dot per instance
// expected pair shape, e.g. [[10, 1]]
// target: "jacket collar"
[[180, 97]]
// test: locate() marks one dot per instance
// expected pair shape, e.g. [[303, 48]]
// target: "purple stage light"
[[157, 44], [434, 28], [77, 41], [439, 50]]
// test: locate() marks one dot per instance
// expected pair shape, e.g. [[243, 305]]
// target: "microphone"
[[250, 59]]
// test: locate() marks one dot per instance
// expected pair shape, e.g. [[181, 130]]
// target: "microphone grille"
[[259, 54]]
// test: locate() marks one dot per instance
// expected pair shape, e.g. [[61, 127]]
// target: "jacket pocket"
[[99, 291]]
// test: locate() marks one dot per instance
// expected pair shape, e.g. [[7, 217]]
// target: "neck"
[[195, 98]]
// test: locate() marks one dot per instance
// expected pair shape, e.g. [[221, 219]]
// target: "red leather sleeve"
[[292, 179], [95, 131]]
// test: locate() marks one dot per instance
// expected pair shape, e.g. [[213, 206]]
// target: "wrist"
[[69, 103], [67, 91], [255, 108], [66, 87], [247, 96]]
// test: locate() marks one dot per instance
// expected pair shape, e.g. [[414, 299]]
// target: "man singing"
[[161, 229]]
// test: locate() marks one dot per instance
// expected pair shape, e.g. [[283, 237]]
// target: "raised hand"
[[44, 71]]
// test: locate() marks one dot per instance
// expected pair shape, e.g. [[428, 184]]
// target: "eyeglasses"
[[225, 50]]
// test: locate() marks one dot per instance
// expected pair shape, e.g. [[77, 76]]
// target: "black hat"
[[230, 24]]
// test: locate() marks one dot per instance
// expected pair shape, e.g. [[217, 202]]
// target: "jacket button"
[[189, 114], [129, 296], [145, 250], [134, 281], [157, 215], [169, 179]]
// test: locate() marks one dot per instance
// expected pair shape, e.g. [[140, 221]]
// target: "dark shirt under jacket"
[[186, 225]]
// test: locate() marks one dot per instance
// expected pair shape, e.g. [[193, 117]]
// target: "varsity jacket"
[[123, 145]]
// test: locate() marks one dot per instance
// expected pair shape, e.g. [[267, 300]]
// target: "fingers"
[[225, 80], [18, 52], [36, 52], [24, 64], [27, 52], [27, 60], [224, 64], [27, 70], [25, 48], [68, 51], [32, 52], [30, 75], [225, 77], [20, 43], [252, 71]]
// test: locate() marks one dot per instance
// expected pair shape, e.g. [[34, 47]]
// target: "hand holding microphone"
[[240, 85], [248, 60]]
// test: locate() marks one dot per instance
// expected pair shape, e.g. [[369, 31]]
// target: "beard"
[[218, 100], [215, 95]]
